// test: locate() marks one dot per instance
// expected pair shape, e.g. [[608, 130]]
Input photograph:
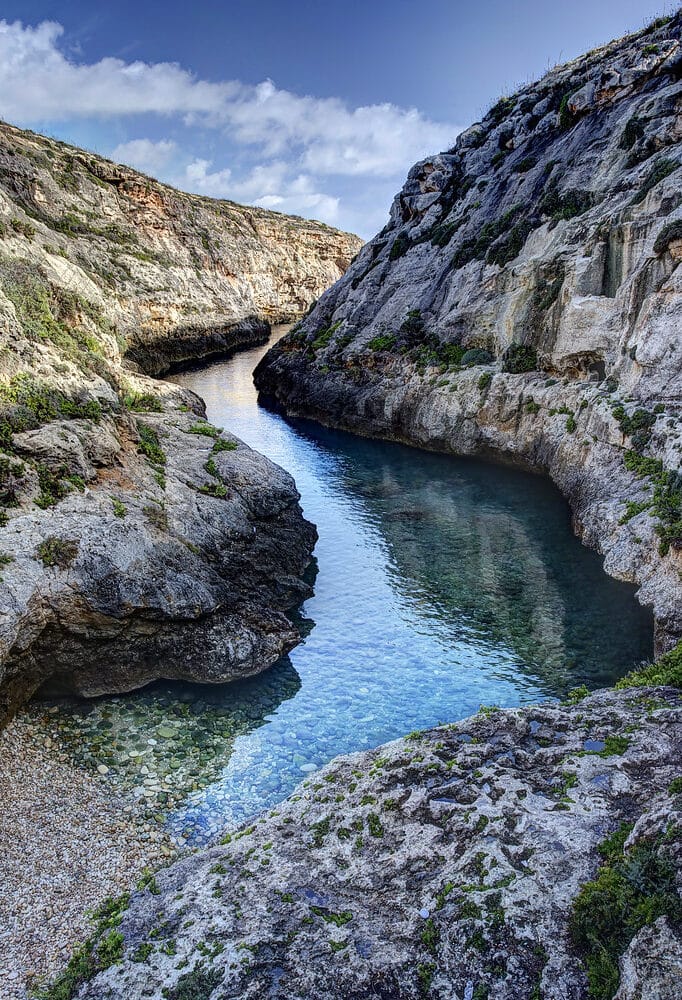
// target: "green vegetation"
[[49, 312], [401, 245], [26, 404], [484, 381], [102, 950], [198, 984], [205, 430], [637, 426], [55, 551], [567, 118], [142, 402], [54, 486], [323, 338], [527, 163], [666, 502], [519, 358], [673, 231], [150, 446], [567, 205], [633, 131], [384, 342], [120, 509], [660, 170], [666, 671], [476, 356], [632, 889], [222, 444]]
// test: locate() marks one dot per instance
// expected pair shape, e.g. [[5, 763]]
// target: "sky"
[[314, 108]]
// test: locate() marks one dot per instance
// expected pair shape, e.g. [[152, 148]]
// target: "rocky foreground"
[[524, 303], [534, 853], [136, 541]]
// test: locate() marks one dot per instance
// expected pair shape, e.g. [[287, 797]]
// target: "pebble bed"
[[68, 840]]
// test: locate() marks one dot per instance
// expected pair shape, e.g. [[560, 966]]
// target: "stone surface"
[[131, 546], [544, 226], [441, 865]]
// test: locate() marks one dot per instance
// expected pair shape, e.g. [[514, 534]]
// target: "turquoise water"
[[442, 584]]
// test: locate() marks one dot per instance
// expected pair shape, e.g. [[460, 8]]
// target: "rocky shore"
[[67, 842], [523, 304], [480, 859]]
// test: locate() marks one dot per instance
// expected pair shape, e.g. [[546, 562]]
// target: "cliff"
[[524, 302], [137, 541]]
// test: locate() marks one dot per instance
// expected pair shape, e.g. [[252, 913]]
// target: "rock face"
[[442, 865], [524, 303], [136, 542], [179, 276]]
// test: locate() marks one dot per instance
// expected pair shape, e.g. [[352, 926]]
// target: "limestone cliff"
[[524, 302], [136, 541]]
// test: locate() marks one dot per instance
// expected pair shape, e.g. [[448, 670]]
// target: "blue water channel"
[[442, 584]]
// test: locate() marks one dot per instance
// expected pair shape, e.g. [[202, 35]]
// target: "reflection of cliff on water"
[[490, 551]]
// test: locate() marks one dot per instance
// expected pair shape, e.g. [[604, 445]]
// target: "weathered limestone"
[[135, 541], [442, 865], [545, 243]]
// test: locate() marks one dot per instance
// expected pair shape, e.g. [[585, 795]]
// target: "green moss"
[[120, 509], [385, 342], [484, 381], [631, 890]]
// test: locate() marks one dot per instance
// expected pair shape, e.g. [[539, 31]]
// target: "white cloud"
[[295, 153], [39, 83], [268, 185], [145, 154]]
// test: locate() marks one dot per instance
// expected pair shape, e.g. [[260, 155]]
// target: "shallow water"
[[442, 584]]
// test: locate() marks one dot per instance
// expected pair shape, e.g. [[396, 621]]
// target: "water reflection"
[[443, 584]]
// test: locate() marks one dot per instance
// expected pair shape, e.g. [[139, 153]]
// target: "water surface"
[[442, 584]]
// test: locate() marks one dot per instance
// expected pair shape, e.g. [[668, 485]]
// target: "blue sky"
[[308, 107]]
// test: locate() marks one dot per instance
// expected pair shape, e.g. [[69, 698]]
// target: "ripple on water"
[[442, 584]]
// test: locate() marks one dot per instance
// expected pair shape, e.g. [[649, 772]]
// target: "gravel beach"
[[67, 841]]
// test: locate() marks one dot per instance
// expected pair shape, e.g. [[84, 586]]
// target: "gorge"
[[457, 778]]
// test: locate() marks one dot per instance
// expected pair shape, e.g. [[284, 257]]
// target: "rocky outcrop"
[[459, 862], [524, 301], [136, 541]]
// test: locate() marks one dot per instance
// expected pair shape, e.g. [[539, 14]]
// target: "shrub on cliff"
[[519, 358], [673, 231]]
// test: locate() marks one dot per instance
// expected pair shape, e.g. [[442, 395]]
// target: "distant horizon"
[[313, 113]]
